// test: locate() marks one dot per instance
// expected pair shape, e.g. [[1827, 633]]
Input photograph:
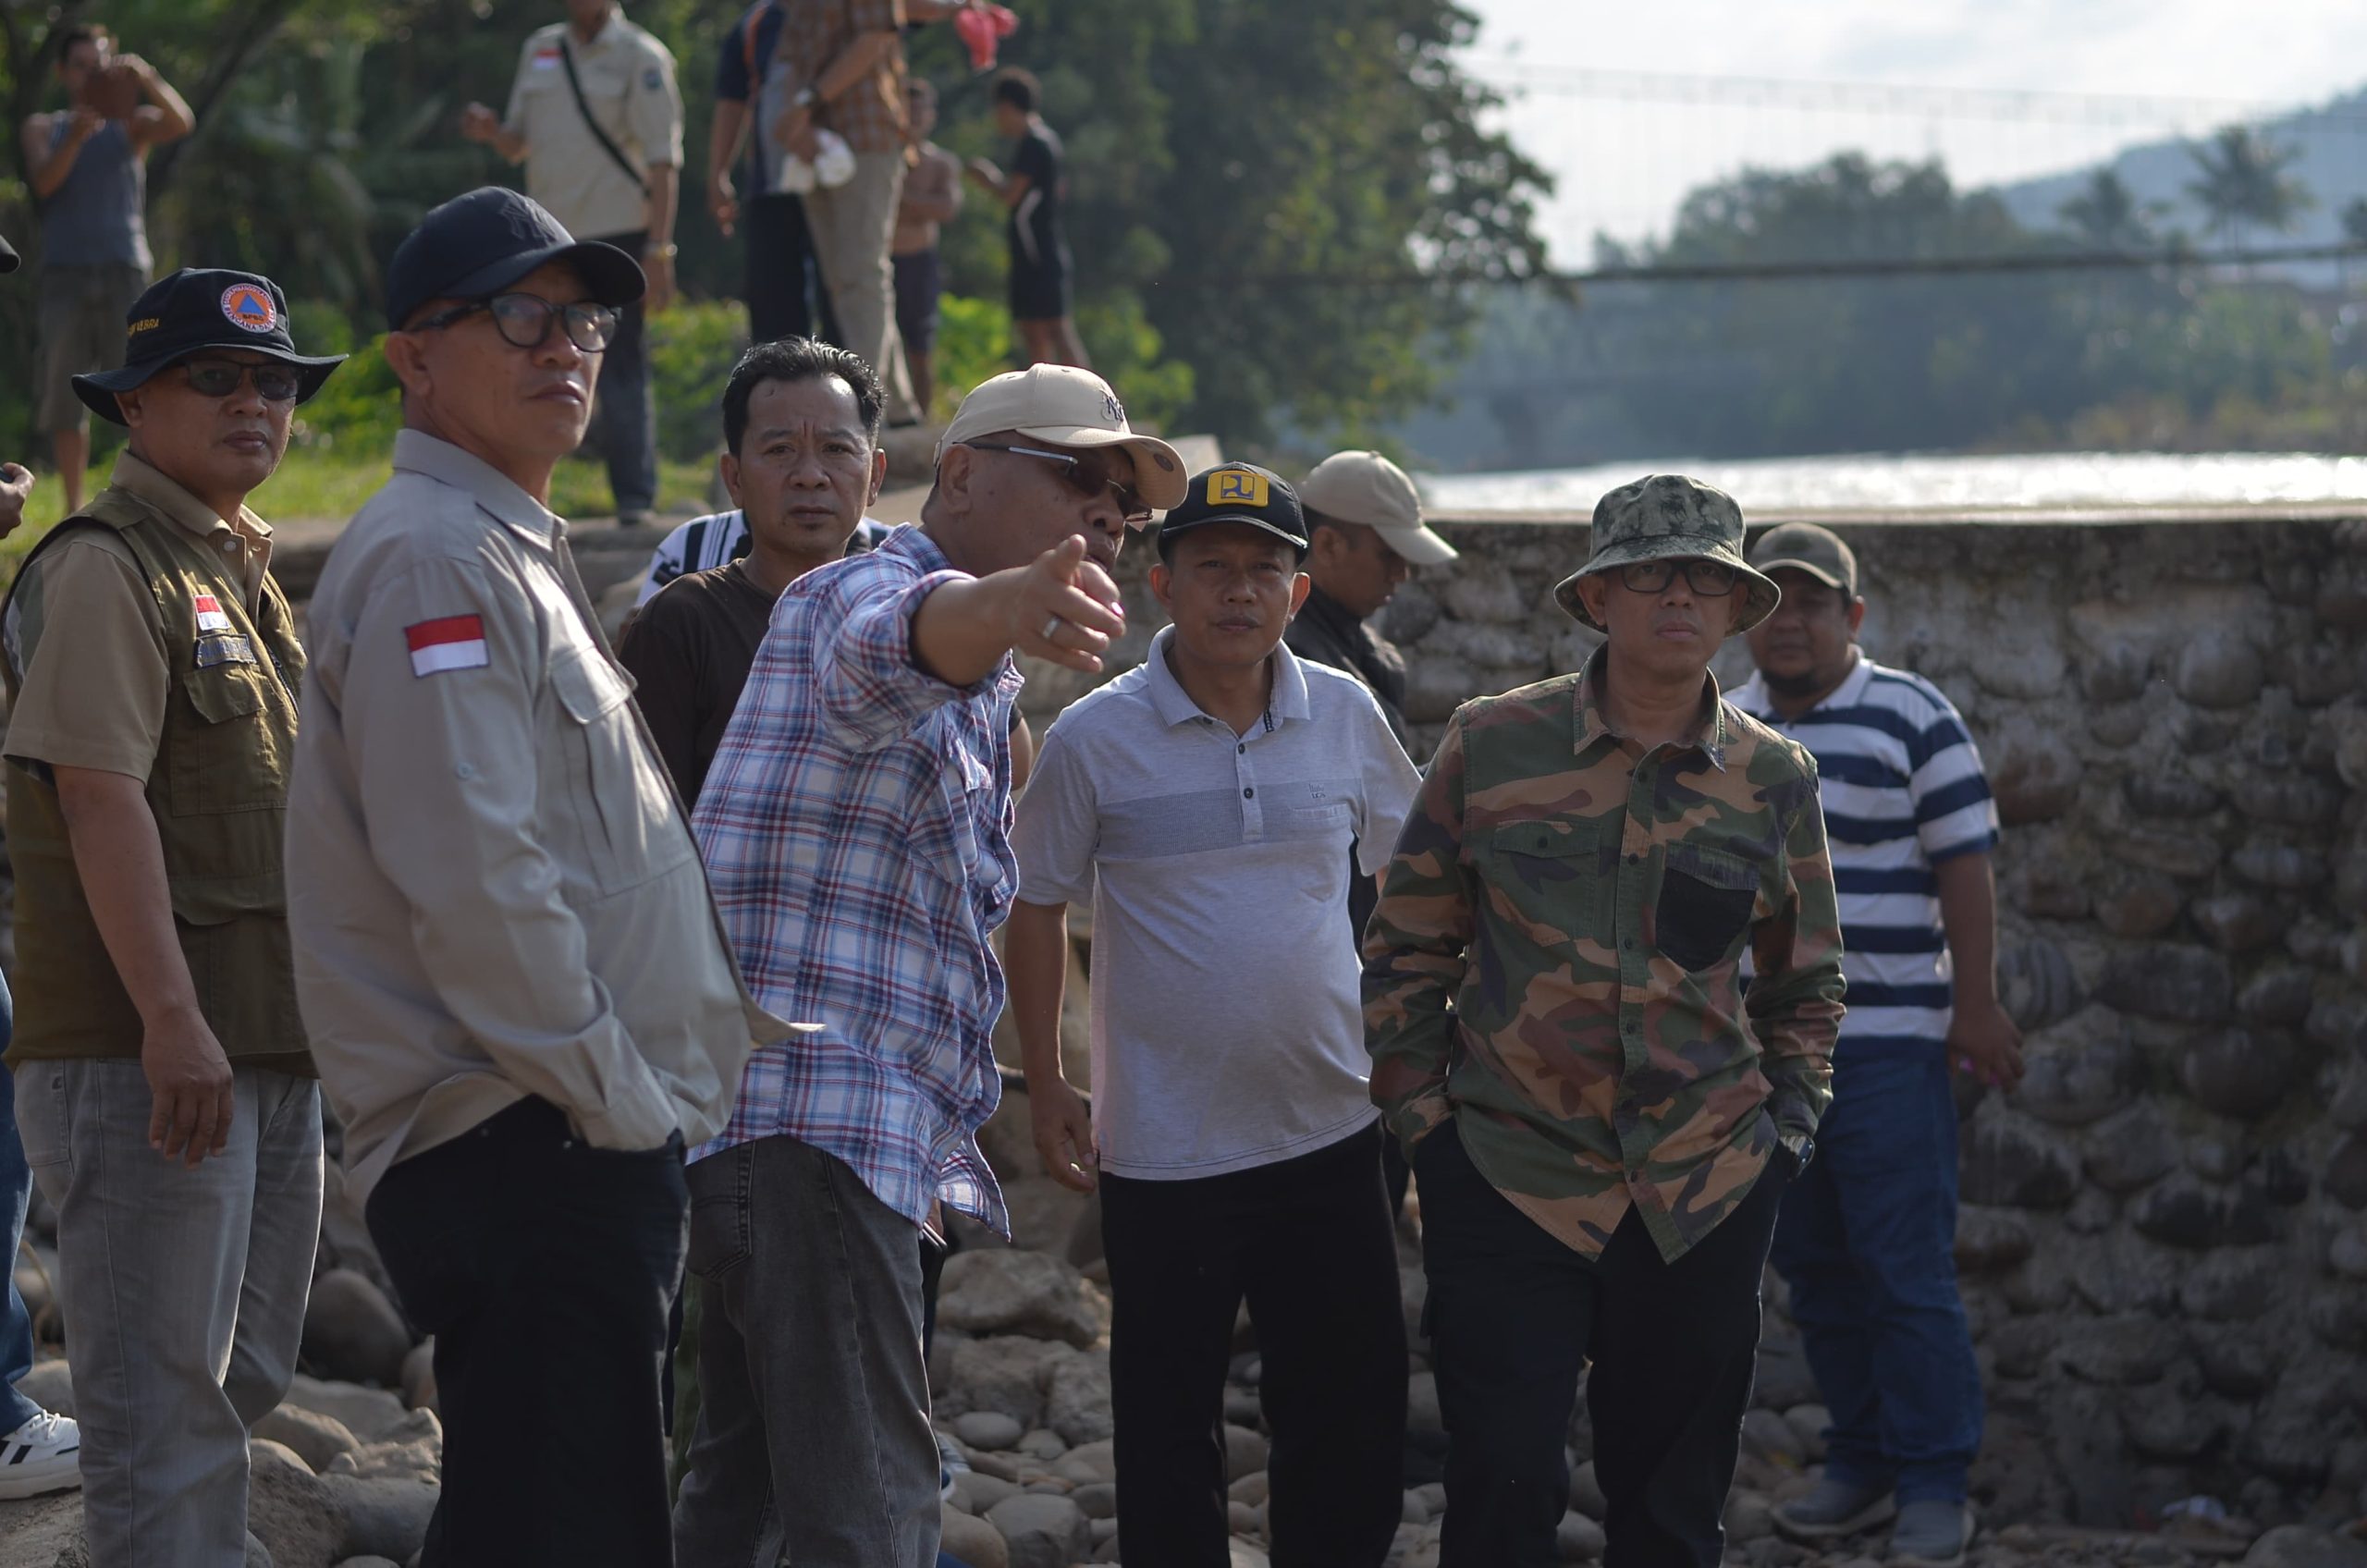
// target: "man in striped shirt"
[[1866, 1236]]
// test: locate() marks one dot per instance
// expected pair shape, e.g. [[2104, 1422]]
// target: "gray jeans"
[[183, 1293], [814, 1427], [854, 226]]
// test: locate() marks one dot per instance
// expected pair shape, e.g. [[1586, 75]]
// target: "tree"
[[2243, 182], [2106, 214]]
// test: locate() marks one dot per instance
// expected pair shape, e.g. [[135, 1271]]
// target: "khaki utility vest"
[[219, 794]]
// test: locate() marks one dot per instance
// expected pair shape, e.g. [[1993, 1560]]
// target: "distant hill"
[[2333, 143]]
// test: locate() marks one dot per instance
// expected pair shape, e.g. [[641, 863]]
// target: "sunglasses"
[[1087, 474], [1712, 580], [220, 378], [524, 321]]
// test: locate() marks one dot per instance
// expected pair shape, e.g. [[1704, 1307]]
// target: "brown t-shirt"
[[690, 649]]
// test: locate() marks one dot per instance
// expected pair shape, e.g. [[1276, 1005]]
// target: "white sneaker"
[[43, 1455]]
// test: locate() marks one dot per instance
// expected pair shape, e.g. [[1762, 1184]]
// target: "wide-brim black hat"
[[191, 312], [479, 244]]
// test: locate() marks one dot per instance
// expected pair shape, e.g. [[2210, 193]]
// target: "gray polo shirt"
[[1227, 1028]]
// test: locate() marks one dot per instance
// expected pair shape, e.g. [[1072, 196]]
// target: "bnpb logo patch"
[[249, 308], [1233, 487]]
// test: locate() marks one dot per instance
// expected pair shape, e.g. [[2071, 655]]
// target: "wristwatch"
[[1800, 1147], [806, 98]]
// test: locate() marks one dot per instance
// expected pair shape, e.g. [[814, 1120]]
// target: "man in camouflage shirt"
[[1558, 1032]]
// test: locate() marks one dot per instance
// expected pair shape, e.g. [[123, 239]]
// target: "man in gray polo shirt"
[[1204, 802]]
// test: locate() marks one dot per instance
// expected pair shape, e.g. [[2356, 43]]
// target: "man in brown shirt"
[[839, 67], [167, 1100], [800, 426]]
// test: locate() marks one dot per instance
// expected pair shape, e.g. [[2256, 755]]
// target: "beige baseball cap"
[[1063, 406], [1368, 489], [1803, 547]]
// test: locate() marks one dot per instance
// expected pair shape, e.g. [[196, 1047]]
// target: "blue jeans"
[[16, 1195], [1867, 1242]]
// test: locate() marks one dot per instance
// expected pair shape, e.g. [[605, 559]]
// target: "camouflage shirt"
[[1554, 960]]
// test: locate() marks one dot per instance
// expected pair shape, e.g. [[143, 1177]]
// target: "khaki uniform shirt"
[[492, 889], [101, 704], [627, 80]]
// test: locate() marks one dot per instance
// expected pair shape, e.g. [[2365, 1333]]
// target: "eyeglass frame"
[[1073, 463], [551, 312], [1672, 566], [247, 371]]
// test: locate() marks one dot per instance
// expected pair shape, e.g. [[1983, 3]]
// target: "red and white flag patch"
[[456, 642], [209, 614]]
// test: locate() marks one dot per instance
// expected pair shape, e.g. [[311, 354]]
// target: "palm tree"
[[2243, 182], [2107, 216]]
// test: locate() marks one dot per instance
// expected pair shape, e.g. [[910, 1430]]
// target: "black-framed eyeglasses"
[[1712, 580], [1087, 474], [220, 378], [524, 321]]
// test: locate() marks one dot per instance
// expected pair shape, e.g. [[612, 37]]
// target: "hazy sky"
[[1631, 104]]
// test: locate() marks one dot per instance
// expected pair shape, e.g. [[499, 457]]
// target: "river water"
[[2052, 479]]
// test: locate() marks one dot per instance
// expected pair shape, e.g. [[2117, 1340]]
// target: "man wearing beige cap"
[[1364, 520], [853, 822]]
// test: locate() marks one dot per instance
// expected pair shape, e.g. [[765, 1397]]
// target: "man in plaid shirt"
[[854, 823]]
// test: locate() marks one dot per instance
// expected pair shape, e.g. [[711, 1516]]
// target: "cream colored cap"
[[1368, 489], [1066, 406]]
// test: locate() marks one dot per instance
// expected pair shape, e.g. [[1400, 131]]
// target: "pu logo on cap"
[[249, 308], [1233, 487]]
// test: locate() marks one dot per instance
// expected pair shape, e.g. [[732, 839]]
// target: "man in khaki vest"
[[165, 1097]]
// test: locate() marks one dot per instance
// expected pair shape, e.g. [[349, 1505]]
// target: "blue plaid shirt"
[[856, 829]]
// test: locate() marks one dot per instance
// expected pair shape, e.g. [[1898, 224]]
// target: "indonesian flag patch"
[[209, 614], [457, 641]]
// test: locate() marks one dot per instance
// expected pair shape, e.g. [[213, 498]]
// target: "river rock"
[[2130, 1150], [1578, 1538], [971, 1541], [1245, 1452], [2182, 1212], [2237, 1072], [2276, 996], [2138, 904], [50, 1384], [2034, 777], [2185, 985], [314, 1438], [419, 1377], [2286, 867], [2229, 1284], [372, 1415], [2010, 1162], [2186, 853], [1003, 1291], [2172, 1421], [1089, 1463], [2299, 801], [1004, 1373], [2079, 1072], [291, 1511], [2236, 923], [2345, 1175], [1040, 1530], [1586, 1492], [2303, 1546], [987, 1429], [2115, 674], [352, 1332], [974, 1492], [1990, 1239], [2169, 792], [2217, 669], [1076, 1398], [2037, 985], [384, 1515]]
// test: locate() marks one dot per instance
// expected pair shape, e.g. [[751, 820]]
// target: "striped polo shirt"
[[1903, 791]]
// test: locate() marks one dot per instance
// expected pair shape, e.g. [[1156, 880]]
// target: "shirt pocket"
[[1549, 875], [1707, 900], [953, 843], [624, 808], [225, 761]]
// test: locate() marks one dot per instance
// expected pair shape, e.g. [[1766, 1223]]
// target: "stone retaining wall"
[[2163, 1242]]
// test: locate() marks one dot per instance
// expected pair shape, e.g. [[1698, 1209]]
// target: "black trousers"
[[1513, 1315], [1308, 1242], [544, 1268], [783, 282]]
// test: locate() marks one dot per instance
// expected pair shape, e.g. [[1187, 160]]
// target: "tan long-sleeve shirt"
[[492, 890]]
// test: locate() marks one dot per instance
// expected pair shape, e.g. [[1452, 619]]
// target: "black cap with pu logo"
[[194, 309], [1240, 493]]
